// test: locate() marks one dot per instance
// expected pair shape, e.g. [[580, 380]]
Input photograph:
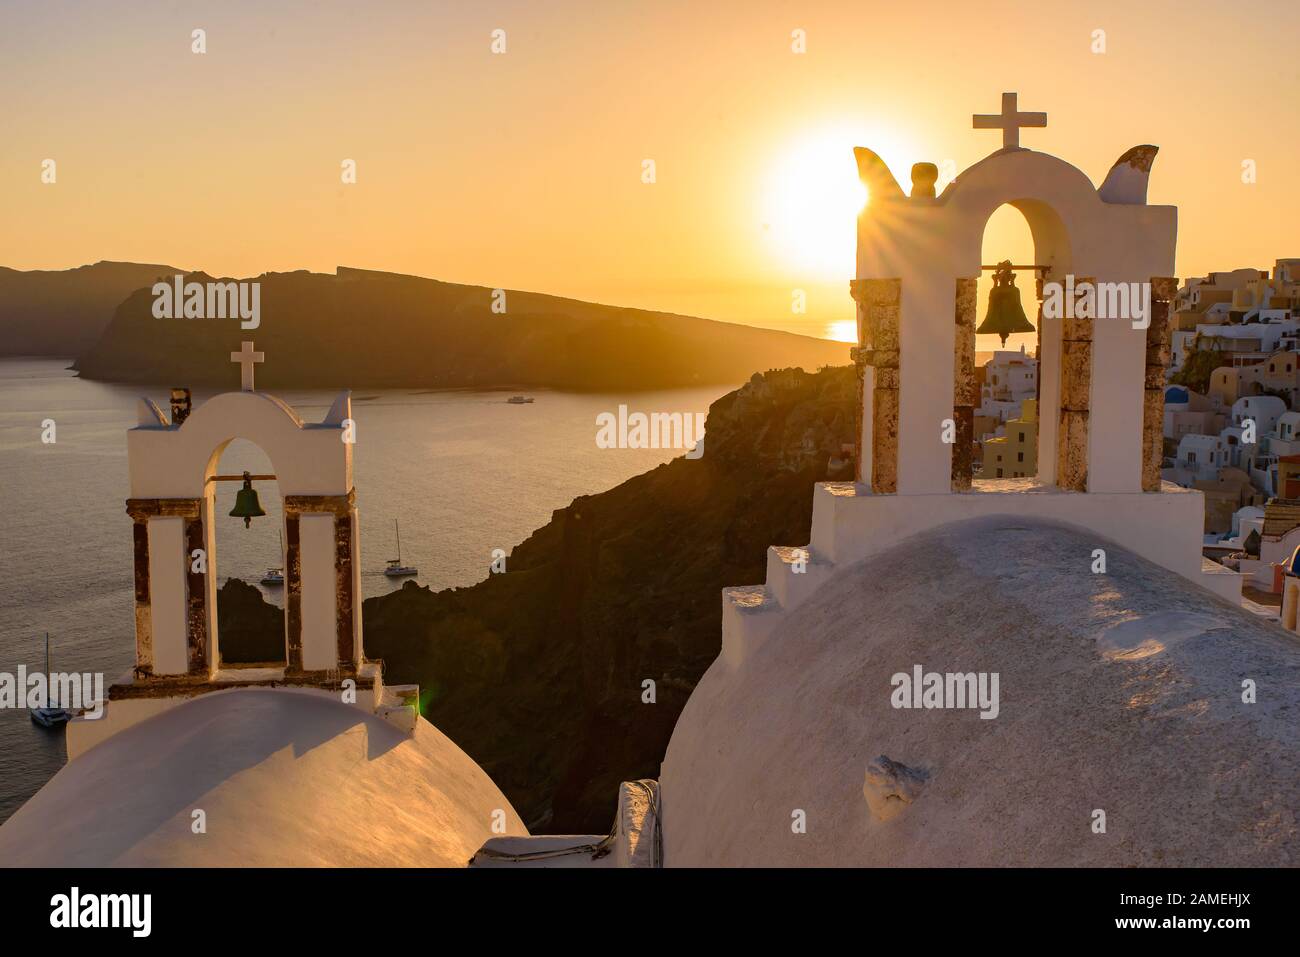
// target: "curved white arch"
[[176, 461]]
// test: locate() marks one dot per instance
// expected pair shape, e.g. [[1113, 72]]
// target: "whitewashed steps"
[[795, 572], [749, 613]]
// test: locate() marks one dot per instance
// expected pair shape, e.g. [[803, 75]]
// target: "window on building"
[[1022, 438], [1191, 458], [999, 473], [1020, 456]]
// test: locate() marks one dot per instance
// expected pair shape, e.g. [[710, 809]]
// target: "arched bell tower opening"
[[1031, 236], [248, 548]]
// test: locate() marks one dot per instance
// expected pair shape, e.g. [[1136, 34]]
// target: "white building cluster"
[[1232, 413]]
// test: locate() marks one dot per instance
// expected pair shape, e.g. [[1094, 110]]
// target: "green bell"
[[247, 506], [1005, 314]]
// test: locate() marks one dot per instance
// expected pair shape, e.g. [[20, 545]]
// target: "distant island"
[[359, 328], [62, 312]]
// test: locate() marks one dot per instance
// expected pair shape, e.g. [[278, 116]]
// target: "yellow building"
[[1015, 454]]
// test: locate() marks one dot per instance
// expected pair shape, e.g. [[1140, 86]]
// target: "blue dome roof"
[[1293, 563], [1176, 393]]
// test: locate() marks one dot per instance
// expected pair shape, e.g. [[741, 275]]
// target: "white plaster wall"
[[84, 733], [167, 568], [1281, 550], [1163, 527], [927, 338], [319, 637]]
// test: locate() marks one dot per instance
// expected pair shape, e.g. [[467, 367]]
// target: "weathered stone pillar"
[[1039, 279], [292, 592], [964, 394], [879, 306], [190, 511], [1076, 381], [143, 610], [861, 460], [1163, 291], [343, 509], [196, 599], [343, 589]]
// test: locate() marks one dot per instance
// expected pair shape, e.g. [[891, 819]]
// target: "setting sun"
[[810, 204]]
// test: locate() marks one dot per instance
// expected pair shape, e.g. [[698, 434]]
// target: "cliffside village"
[[1231, 422]]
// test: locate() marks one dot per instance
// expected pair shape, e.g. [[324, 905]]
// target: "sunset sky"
[[524, 169]]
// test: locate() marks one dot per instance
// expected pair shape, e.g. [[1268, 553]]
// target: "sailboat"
[[275, 576], [51, 715], [395, 567]]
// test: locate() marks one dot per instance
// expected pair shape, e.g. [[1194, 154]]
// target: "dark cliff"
[[537, 673], [251, 628]]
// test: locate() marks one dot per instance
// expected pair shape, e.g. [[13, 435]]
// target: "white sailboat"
[[51, 715], [395, 567], [275, 576]]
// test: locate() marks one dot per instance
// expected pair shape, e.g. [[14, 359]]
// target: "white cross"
[[1009, 121], [246, 357]]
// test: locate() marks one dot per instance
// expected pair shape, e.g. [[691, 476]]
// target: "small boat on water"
[[395, 567], [275, 576], [50, 716], [520, 399]]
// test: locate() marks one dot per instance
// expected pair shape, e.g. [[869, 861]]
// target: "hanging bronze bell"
[[247, 506], [1005, 315]]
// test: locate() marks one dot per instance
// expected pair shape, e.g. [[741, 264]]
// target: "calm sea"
[[462, 472]]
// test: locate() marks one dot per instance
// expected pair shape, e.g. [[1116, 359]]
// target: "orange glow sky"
[[523, 170]]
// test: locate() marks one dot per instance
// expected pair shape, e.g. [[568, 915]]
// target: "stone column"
[[964, 393], [1039, 279], [143, 610], [1076, 381], [190, 511], [343, 590], [196, 604], [861, 453], [879, 305], [342, 508], [292, 592], [1163, 291]]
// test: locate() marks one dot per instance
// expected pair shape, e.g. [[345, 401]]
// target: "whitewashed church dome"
[[283, 778], [1120, 692]]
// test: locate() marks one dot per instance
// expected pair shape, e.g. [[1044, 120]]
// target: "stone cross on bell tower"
[[247, 358], [1009, 121]]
